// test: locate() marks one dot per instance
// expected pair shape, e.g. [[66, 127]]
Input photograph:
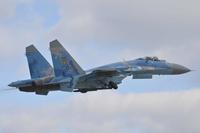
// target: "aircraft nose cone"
[[178, 69], [11, 84]]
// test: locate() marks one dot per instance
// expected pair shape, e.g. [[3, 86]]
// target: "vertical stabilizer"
[[38, 65], [64, 64]]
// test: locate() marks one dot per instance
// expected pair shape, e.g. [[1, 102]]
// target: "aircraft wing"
[[99, 78], [100, 73], [104, 72]]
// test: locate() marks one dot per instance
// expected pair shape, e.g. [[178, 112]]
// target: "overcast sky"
[[97, 32]]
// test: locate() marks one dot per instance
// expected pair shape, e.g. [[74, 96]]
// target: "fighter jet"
[[68, 76]]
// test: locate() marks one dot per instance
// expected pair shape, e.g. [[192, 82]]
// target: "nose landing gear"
[[112, 85]]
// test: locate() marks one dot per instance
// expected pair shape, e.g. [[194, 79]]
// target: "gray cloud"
[[108, 112], [8, 8], [168, 29], [131, 21], [133, 28], [98, 32]]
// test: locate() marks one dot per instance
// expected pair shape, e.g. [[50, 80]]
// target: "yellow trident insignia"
[[65, 62]]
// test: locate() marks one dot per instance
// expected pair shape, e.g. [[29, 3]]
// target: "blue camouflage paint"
[[64, 64], [38, 65], [69, 76]]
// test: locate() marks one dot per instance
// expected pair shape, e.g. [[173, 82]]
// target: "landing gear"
[[112, 85], [82, 91]]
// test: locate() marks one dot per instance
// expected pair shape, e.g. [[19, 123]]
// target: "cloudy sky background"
[[98, 32]]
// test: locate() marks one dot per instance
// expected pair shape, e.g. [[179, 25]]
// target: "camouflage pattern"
[[70, 77]]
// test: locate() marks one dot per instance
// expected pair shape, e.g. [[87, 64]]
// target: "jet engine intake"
[[142, 76]]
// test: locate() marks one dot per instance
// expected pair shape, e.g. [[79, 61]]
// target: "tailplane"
[[38, 65], [64, 64]]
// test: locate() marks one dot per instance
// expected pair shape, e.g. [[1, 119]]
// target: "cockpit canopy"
[[151, 58]]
